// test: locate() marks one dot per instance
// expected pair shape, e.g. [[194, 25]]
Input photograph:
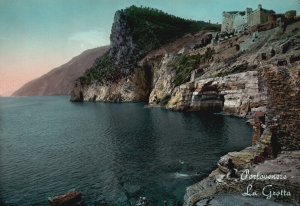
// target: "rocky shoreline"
[[269, 95], [270, 92], [251, 75], [285, 166], [275, 149]]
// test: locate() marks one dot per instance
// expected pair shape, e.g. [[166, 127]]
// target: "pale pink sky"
[[13, 75]]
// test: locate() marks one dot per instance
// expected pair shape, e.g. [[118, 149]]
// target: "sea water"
[[111, 153]]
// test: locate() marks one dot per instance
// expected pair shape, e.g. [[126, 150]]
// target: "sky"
[[39, 35]]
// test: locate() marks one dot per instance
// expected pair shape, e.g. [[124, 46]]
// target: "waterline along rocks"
[[276, 135], [234, 94], [254, 74]]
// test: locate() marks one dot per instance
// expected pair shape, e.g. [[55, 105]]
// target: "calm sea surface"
[[112, 153]]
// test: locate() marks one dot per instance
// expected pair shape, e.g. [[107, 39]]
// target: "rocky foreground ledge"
[[277, 179]]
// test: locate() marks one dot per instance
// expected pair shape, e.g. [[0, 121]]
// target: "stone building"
[[259, 16], [233, 21], [238, 21]]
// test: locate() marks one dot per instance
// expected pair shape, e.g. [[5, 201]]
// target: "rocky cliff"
[[135, 32], [276, 142], [60, 80], [254, 75], [130, 88], [236, 94]]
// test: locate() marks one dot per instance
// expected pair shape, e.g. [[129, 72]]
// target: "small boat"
[[70, 199]]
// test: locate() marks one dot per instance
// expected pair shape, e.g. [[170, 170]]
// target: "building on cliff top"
[[239, 21]]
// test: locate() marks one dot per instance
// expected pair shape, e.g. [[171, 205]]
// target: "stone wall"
[[254, 18], [233, 21], [259, 16], [240, 22], [283, 86], [227, 24]]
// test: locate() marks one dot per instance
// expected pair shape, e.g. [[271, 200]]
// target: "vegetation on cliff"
[[151, 28], [147, 29], [184, 65], [102, 69]]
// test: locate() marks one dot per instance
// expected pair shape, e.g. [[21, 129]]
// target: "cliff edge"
[[136, 31]]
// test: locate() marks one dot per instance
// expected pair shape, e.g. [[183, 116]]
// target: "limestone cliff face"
[[276, 131], [226, 81], [128, 82], [230, 81], [163, 76], [235, 94], [135, 32], [132, 88], [123, 48]]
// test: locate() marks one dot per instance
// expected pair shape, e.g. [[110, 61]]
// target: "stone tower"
[[259, 6]]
